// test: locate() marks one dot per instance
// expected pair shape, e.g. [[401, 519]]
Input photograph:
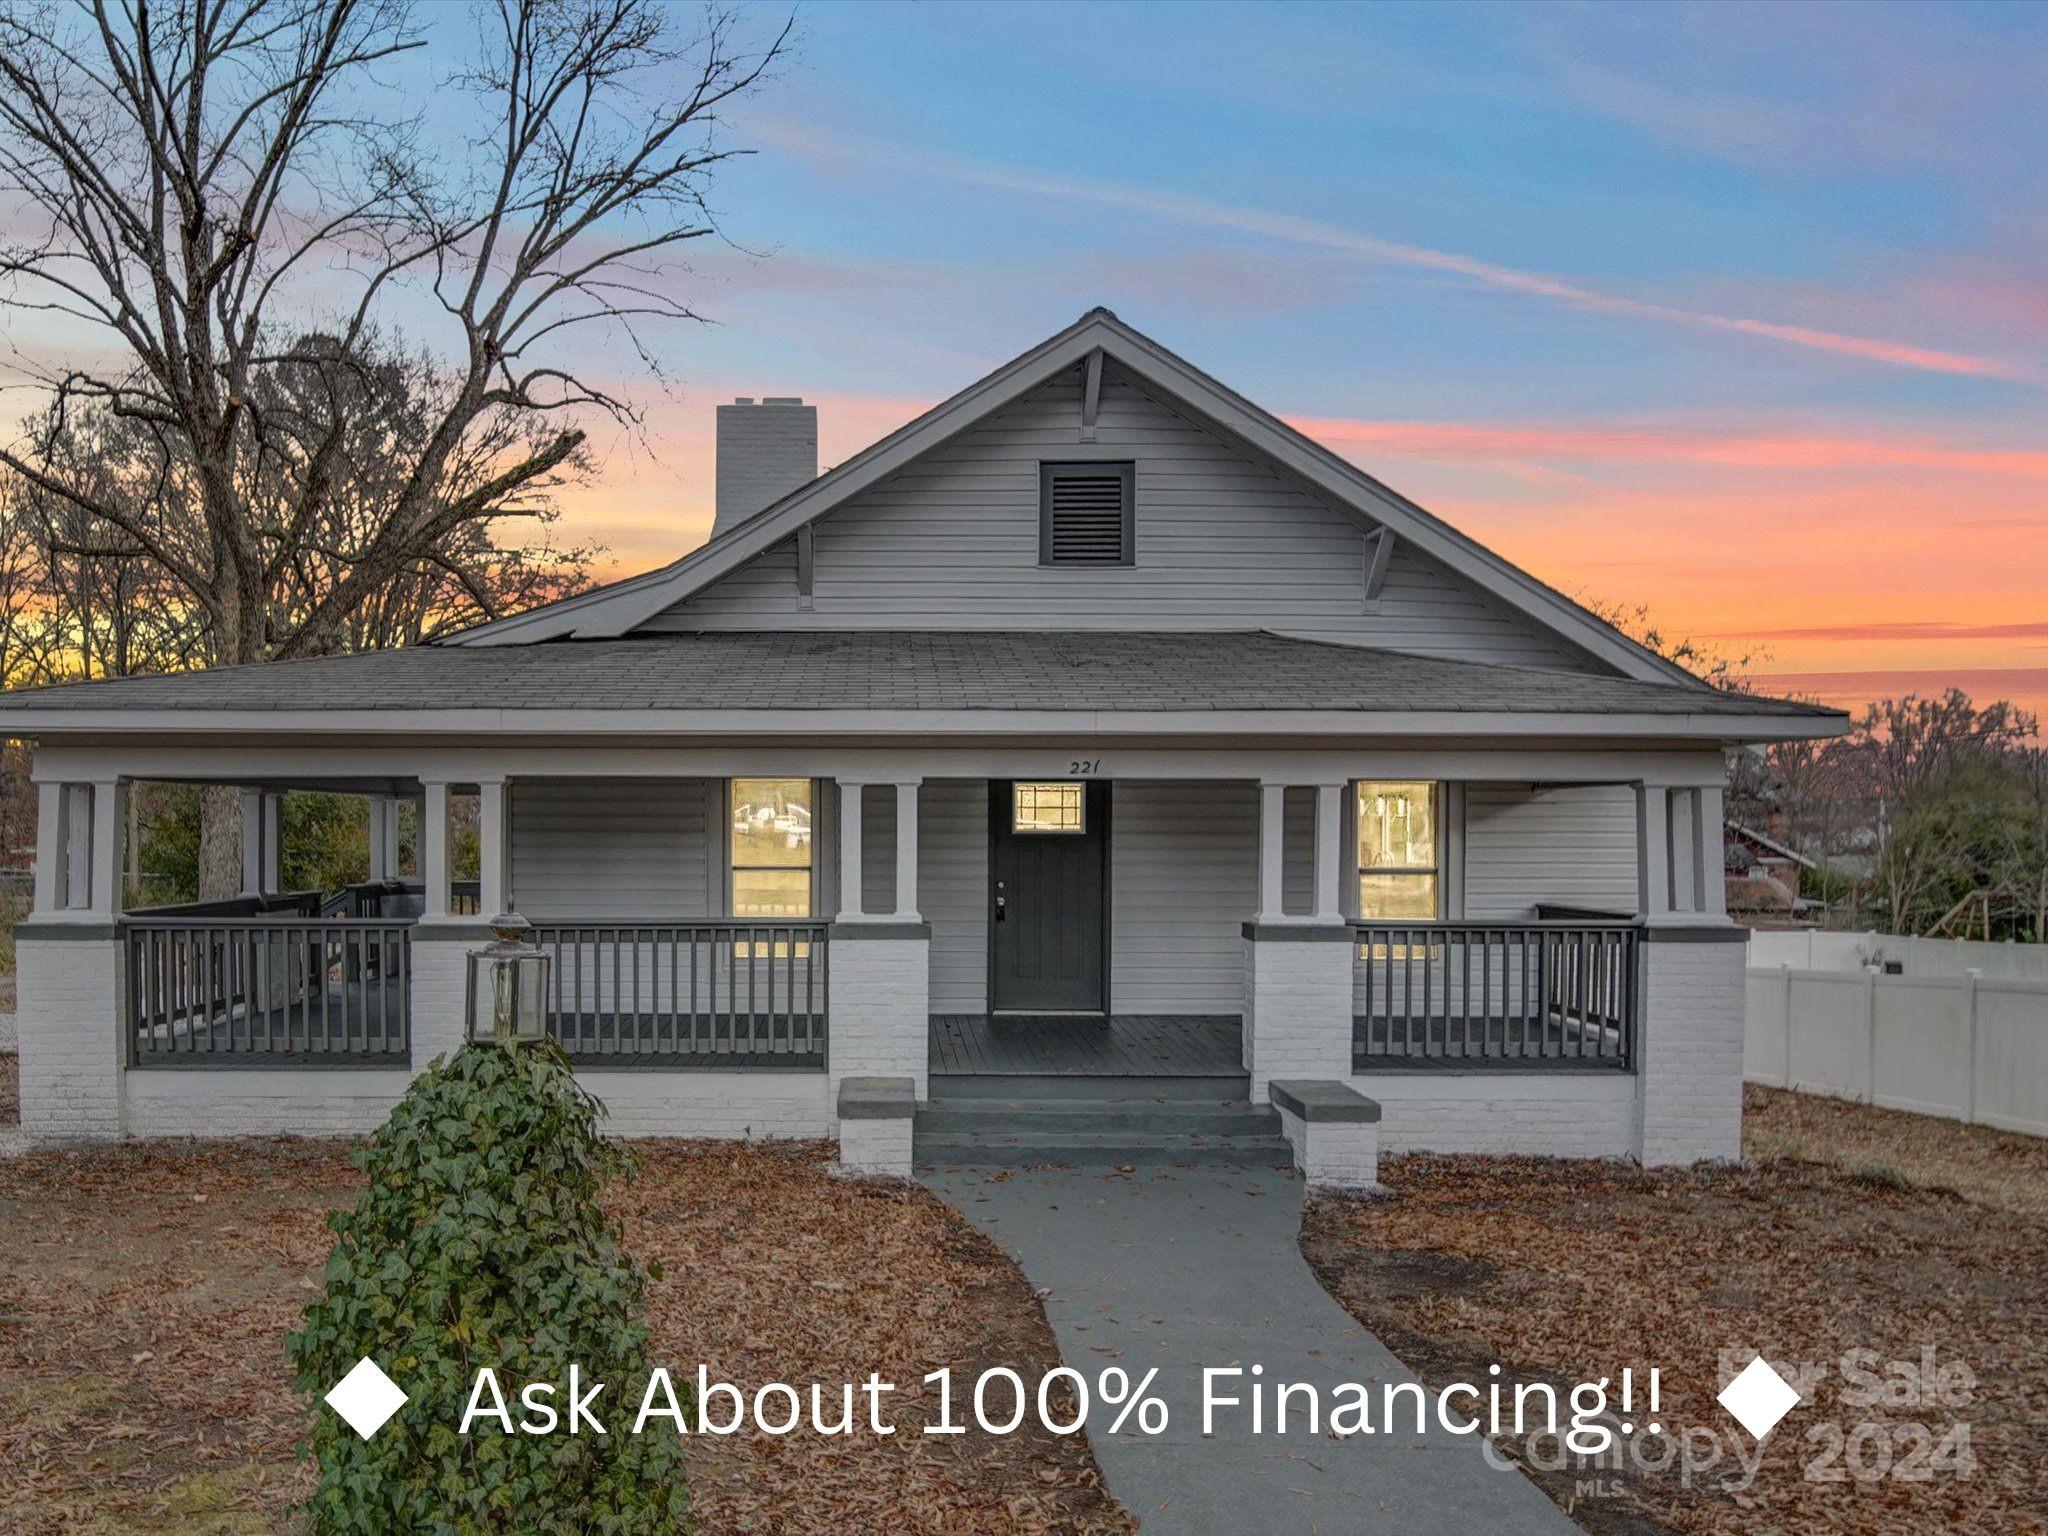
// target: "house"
[[1763, 876], [1094, 767]]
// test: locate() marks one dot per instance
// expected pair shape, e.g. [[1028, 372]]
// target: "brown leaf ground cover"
[[145, 1291], [1567, 1271]]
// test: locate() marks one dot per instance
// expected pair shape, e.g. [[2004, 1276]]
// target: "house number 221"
[[1084, 765]]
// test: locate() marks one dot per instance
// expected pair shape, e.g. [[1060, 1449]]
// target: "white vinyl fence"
[[1812, 950], [1964, 1047]]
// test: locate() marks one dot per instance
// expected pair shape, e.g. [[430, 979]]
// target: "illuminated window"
[[1050, 808], [771, 848], [1397, 851]]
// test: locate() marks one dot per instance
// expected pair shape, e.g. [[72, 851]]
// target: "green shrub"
[[479, 1242]]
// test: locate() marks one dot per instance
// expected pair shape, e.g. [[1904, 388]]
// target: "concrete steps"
[[1006, 1121]]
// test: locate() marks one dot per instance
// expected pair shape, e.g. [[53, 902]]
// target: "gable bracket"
[[1379, 550], [806, 566], [1091, 394]]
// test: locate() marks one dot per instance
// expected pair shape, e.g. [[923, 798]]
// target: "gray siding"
[[1523, 845], [611, 848], [1223, 542], [952, 877], [1184, 877]]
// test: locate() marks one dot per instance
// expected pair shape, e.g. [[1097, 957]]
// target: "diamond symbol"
[[1758, 1397], [365, 1398]]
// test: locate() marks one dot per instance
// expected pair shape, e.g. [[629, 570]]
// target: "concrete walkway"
[[1190, 1267]]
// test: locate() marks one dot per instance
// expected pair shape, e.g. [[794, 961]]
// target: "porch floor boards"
[[1086, 1045]]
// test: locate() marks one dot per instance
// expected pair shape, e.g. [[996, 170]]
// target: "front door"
[[1048, 865]]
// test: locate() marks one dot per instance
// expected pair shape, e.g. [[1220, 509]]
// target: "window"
[[771, 848], [1085, 514], [1049, 808], [1397, 851]]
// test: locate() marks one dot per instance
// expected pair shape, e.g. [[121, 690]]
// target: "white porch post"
[[494, 861], [906, 851], [1272, 850], [849, 851], [73, 1050], [383, 838], [1297, 970], [51, 855], [1689, 992], [1329, 852], [434, 852], [262, 856], [440, 941]]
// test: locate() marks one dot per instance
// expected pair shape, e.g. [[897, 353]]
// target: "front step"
[[1038, 1087], [955, 1150], [1099, 1122]]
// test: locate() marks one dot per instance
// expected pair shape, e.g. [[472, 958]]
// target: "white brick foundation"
[[880, 1002], [1689, 1067], [1297, 1004], [875, 1149], [258, 1101], [1581, 1114], [67, 1011], [439, 957]]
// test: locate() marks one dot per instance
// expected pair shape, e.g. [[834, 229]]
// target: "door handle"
[[1002, 901]]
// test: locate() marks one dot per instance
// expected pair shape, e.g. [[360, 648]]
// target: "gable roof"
[[612, 611]]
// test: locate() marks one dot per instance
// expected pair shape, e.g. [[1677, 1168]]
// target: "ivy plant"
[[479, 1241]]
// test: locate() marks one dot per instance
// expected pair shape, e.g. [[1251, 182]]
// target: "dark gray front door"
[[1047, 903]]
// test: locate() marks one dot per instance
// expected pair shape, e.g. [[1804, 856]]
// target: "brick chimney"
[[766, 449]]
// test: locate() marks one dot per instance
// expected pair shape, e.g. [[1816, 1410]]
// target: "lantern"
[[506, 994]]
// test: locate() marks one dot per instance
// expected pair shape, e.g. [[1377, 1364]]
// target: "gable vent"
[[1085, 514]]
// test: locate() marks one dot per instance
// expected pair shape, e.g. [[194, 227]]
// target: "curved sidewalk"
[[1183, 1268]]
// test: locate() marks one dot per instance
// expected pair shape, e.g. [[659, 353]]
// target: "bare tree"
[[187, 169], [192, 179]]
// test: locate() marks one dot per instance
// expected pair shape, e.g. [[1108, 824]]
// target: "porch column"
[[434, 852], [73, 1048], [1297, 970], [879, 999], [1329, 853], [383, 838], [262, 860], [1689, 983], [440, 941], [906, 851], [1272, 850], [494, 848], [849, 850]]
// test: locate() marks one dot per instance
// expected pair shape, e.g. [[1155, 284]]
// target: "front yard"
[[145, 1292], [1838, 1236]]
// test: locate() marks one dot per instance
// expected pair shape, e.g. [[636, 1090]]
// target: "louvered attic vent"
[[1085, 514]]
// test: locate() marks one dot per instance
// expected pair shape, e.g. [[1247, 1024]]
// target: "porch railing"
[[267, 991], [1540, 994], [689, 995]]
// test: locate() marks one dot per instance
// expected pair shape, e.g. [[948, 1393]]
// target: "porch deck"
[[1086, 1045]]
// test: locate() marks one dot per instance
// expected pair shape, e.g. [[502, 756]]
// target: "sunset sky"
[[1740, 313]]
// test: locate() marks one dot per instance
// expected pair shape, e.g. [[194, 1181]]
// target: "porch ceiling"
[[892, 673]]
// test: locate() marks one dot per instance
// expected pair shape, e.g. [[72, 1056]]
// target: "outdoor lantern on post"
[[506, 994]]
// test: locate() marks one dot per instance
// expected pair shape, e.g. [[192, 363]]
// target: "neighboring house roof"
[[615, 610], [727, 680], [1771, 845]]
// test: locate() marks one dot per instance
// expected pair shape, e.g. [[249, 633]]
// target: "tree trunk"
[[220, 842]]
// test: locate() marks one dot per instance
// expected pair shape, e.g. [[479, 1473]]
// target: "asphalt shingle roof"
[[901, 670]]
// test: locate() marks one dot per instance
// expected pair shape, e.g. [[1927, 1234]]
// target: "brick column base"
[[1297, 1003], [1689, 1044], [440, 954], [73, 1058], [878, 1002]]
